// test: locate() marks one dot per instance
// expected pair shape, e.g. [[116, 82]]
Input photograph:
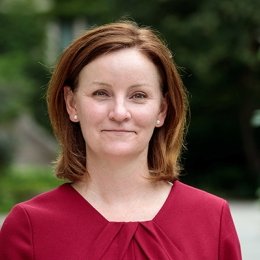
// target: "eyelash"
[[139, 95], [100, 93], [135, 96]]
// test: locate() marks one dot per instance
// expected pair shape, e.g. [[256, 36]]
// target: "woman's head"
[[166, 142]]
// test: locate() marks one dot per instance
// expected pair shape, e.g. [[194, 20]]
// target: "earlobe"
[[70, 103], [163, 113]]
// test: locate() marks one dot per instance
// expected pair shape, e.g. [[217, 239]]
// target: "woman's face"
[[118, 103]]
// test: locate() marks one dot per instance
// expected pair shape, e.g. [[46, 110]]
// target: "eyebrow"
[[101, 83], [109, 85]]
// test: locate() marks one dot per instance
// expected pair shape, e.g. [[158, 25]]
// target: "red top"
[[61, 224]]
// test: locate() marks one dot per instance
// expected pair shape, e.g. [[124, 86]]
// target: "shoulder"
[[201, 221], [194, 198], [56, 194], [185, 189], [20, 227], [42, 203], [206, 212], [38, 209], [51, 196]]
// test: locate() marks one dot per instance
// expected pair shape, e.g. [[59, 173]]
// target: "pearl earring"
[[158, 122], [75, 117]]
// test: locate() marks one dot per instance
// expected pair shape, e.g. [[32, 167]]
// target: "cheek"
[[147, 118], [90, 112]]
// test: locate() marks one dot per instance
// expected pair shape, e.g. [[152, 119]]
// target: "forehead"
[[124, 63]]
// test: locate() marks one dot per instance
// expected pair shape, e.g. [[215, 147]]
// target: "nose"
[[119, 111]]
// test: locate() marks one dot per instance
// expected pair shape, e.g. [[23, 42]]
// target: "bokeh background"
[[216, 45]]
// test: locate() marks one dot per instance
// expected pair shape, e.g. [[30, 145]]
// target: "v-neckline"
[[85, 202]]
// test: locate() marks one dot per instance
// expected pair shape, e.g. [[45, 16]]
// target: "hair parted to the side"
[[167, 141]]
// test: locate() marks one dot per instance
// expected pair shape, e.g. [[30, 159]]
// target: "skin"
[[118, 103]]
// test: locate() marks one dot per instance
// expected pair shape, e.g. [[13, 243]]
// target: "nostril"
[[119, 112], [117, 115]]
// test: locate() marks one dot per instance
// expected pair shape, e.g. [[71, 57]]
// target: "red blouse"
[[61, 224]]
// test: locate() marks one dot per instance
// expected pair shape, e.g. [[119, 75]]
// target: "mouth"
[[119, 131]]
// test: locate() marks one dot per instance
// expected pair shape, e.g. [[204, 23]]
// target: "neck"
[[121, 191], [115, 179]]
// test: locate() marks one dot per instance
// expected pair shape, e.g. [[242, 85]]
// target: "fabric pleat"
[[134, 240]]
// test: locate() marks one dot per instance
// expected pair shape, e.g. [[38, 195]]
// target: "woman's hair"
[[167, 141]]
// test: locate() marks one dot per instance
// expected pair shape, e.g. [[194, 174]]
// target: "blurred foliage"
[[97, 11], [21, 74], [20, 184], [21, 50], [6, 150], [216, 45]]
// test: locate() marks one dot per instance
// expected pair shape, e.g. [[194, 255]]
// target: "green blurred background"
[[216, 45]]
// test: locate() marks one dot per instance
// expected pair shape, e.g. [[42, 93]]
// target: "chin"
[[122, 153]]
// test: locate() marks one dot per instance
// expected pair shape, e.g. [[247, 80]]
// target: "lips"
[[118, 131]]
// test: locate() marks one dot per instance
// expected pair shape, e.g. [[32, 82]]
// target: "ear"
[[69, 98], [163, 112]]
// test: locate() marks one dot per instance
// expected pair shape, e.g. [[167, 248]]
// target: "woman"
[[117, 106]]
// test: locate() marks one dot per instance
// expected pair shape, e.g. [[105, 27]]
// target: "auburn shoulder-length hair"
[[167, 141]]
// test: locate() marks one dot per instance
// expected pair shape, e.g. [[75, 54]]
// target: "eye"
[[139, 95], [100, 93]]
